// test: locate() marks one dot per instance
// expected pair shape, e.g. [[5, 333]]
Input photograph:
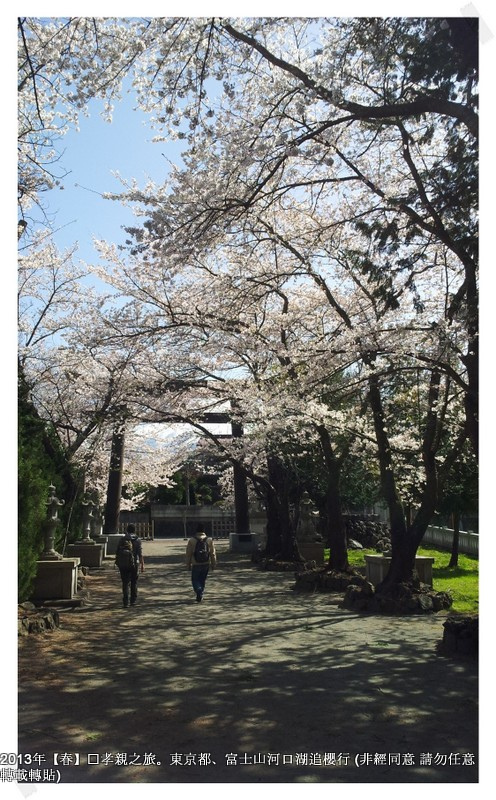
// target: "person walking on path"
[[129, 559], [200, 556]]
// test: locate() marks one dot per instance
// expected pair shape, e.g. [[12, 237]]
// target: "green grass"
[[462, 581]]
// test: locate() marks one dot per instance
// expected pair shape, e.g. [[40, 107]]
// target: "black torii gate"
[[114, 485]]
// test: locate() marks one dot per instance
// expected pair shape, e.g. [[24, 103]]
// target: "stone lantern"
[[96, 523], [306, 527], [88, 506], [53, 503], [56, 576], [89, 551], [310, 548]]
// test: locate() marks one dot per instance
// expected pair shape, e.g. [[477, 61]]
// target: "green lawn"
[[461, 581]]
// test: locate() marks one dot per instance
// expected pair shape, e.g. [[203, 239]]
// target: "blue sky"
[[89, 157]]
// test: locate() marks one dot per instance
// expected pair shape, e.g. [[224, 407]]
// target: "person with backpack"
[[129, 559], [200, 556]]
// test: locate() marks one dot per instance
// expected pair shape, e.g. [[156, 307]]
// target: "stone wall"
[[368, 533]]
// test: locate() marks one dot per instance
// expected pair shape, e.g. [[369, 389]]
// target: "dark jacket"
[[136, 542]]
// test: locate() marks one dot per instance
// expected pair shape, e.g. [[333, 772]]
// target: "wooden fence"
[[145, 530]]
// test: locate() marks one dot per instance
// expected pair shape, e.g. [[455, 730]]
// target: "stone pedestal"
[[312, 551], [377, 567], [103, 540], [56, 579], [243, 542], [113, 541], [90, 555]]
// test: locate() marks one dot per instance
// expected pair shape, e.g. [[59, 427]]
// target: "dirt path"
[[255, 684]]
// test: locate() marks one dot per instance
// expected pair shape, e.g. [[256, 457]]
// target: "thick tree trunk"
[[402, 569], [471, 359], [280, 533], [405, 539], [336, 531], [274, 538], [114, 486], [472, 399], [402, 561]]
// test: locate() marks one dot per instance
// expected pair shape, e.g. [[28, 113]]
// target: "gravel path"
[[255, 684]]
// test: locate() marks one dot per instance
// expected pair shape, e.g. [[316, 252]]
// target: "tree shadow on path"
[[270, 685]]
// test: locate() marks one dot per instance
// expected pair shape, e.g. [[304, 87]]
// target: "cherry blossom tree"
[[321, 234]]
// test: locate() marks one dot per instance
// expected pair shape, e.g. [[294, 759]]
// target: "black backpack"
[[202, 554], [124, 557]]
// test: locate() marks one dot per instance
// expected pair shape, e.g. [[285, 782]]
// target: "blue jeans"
[[199, 574]]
